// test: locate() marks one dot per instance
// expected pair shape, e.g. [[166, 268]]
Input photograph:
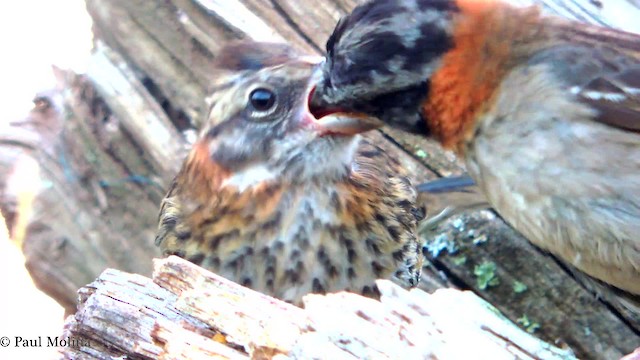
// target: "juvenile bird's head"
[[380, 58], [259, 128]]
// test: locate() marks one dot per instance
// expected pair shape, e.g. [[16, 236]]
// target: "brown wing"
[[596, 36], [384, 186], [171, 226], [616, 97], [603, 70]]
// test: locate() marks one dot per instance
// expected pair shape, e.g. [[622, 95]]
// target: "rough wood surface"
[[87, 214], [189, 313], [110, 141]]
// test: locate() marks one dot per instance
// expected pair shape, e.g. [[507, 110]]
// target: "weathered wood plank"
[[140, 114], [188, 312], [100, 203], [88, 212]]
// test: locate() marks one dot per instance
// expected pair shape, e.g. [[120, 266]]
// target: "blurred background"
[[34, 34]]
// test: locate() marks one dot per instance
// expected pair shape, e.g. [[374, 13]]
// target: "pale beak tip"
[[348, 124]]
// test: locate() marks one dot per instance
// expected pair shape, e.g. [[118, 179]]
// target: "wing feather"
[[605, 71]]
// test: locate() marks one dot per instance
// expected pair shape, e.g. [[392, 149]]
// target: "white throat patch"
[[249, 177]]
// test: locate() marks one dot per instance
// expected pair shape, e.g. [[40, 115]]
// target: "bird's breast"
[[567, 183], [292, 241]]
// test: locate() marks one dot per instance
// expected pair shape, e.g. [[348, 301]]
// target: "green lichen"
[[421, 153], [528, 325], [480, 240], [486, 275], [459, 260], [440, 243], [519, 287]]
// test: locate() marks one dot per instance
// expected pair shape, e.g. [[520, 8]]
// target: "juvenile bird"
[[545, 111], [268, 199]]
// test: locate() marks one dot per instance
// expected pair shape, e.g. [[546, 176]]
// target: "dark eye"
[[262, 99]]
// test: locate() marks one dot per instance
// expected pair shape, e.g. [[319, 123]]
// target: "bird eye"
[[262, 99]]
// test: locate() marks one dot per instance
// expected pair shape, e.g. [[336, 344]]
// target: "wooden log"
[[89, 210], [104, 171], [189, 313]]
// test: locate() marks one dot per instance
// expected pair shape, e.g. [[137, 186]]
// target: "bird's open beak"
[[336, 121], [345, 123], [330, 120]]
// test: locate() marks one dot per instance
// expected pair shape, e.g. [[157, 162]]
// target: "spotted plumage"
[[268, 200]]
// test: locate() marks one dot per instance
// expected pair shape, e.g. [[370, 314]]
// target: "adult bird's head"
[[380, 58]]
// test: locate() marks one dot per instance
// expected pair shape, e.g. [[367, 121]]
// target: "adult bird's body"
[[267, 199], [546, 113]]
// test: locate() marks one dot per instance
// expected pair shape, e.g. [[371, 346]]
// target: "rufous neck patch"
[[202, 173], [484, 36], [205, 180]]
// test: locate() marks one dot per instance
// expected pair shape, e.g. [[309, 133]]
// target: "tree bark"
[[187, 312], [108, 143]]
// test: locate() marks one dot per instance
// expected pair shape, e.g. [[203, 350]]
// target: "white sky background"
[[33, 35]]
